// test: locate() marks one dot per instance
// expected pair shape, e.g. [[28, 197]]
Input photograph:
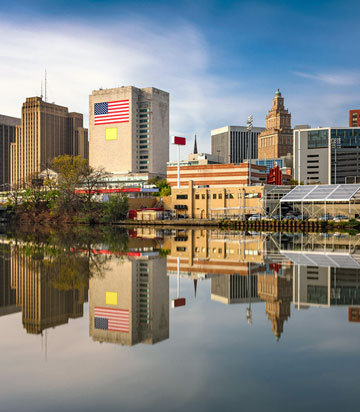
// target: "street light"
[[335, 144], [249, 125]]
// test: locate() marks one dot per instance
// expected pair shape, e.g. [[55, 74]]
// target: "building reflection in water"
[[129, 303], [239, 269], [139, 288], [43, 305], [129, 297], [276, 291], [7, 295]]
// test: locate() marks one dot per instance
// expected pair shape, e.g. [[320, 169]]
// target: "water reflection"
[[126, 276]]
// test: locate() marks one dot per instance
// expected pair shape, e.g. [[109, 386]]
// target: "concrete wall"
[[127, 153]]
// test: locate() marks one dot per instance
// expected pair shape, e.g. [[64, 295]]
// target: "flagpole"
[[178, 166]]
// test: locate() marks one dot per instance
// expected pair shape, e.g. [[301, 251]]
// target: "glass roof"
[[321, 193], [322, 259]]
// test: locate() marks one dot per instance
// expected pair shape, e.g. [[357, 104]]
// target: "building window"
[[197, 196], [203, 196], [220, 195], [214, 195], [181, 249], [181, 196], [318, 139]]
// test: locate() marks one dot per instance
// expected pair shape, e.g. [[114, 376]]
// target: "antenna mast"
[[45, 87]]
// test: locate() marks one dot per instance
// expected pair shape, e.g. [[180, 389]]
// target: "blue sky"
[[220, 60]]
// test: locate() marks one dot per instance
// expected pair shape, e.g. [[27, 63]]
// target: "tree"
[[71, 169], [116, 208], [90, 180], [162, 185]]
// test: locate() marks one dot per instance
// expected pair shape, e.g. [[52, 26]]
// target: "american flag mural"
[[111, 112], [112, 319]]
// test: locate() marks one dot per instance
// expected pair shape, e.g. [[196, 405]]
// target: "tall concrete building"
[[129, 130], [47, 130], [231, 143], [327, 155], [7, 136], [277, 139]]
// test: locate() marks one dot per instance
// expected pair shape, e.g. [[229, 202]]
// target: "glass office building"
[[327, 155]]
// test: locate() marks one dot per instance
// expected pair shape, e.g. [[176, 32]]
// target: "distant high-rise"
[[47, 130], [233, 143], [7, 136], [277, 139], [129, 130], [354, 118]]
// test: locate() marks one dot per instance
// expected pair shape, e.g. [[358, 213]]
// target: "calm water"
[[263, 322]]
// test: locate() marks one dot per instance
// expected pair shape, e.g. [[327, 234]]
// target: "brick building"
[[216, 175], [354, 118]]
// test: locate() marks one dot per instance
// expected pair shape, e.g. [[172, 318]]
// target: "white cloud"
[[80, 58], [334, 79]]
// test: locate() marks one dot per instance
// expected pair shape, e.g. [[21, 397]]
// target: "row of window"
[[220, 196]]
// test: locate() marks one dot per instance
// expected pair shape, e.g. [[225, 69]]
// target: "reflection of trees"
[[70, 256]]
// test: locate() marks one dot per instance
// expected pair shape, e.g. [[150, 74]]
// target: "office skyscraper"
[[46, 131], [231, 143], [7, 136], [129, 130]]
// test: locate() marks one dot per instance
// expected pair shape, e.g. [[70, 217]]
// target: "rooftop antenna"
[[41, 89], [45, 87]]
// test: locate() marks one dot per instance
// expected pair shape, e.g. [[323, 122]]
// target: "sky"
[[220, 60]]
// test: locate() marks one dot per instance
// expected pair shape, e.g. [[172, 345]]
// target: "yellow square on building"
[[111, 133], [111, 298]]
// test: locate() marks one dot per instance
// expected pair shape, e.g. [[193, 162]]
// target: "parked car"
[[290, 217], [326, 217], [339, 218], [255, 217]]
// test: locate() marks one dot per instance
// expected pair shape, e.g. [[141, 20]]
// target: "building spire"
[[195, 286], [195, 146]]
